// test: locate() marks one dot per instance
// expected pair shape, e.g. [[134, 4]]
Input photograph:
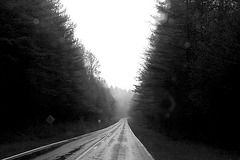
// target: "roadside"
[[163, 148], [55, 134]]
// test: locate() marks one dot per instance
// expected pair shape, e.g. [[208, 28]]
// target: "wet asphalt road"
[[116, 142]]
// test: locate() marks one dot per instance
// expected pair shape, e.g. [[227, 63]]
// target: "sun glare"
[[116, 32]]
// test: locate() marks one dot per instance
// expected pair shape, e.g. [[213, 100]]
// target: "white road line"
[[56, 143], [92, 147], [150, 156], [35, 150]]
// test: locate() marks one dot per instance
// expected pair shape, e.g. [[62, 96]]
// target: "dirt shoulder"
[[163, 148]]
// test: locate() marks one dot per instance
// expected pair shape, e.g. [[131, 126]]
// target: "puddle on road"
[[63, 157]]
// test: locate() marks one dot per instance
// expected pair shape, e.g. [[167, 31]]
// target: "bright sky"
[[116, 32]]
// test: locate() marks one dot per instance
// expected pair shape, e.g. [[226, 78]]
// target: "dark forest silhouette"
[[45, 70], [189, 84]]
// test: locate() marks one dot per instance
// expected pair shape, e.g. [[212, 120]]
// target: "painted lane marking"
[[95, 145], [60, 142], [150, 156]]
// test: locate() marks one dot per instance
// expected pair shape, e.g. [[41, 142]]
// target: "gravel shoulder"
[[163, 148]]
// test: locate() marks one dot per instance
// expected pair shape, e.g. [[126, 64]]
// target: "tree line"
[[189, 82], [45, 70], [123, 101]]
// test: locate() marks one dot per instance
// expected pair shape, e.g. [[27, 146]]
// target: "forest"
[[45, 70], [189, 83]]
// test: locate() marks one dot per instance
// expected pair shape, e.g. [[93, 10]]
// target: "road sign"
[[50, 119]]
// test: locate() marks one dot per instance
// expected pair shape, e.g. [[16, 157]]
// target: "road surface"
[[116, 142]]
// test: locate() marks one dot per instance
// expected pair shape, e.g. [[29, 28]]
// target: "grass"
[[43, 135], [163, 148]]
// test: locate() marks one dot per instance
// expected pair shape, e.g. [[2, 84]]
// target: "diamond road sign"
[[50, 119]]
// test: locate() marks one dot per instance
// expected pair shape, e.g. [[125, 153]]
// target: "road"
[[116, 142]]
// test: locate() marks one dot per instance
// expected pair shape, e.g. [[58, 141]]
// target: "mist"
[[123, 98]]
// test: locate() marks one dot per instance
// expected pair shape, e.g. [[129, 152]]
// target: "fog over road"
[[116, 142]]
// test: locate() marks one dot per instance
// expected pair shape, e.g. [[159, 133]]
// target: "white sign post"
[[99, 121]]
